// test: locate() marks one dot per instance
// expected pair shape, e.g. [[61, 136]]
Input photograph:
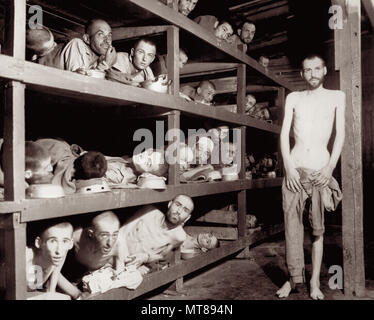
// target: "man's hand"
[[322, 177], [110, 56], [293, 180], [137, 259]]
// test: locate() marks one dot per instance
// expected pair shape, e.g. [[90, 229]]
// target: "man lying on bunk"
[[134, 68], [93, 51], [221, 29], [46, 256], [184, 6], [244, 36], [151, 235], [95, 246], [160, 66], [38, 168], [204, 93]]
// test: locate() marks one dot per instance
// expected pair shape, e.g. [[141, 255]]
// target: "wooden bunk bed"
[[16, 211]]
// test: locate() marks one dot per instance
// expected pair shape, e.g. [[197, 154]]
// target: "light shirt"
[[148, 233], [76, 54], [125, 65]]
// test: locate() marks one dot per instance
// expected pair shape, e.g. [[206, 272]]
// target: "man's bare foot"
[[315, 292], [284, 292]]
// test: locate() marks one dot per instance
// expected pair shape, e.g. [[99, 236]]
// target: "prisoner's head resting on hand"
[[247, 32], [223, 30], [179, 210], [143, 53], [40, 41], [38, 167], [186, 6], [207, 241], [150, 161], [98, 35], [53, 242], [103, 232]]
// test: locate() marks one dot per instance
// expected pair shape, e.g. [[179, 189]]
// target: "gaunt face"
[[186, 6], [179, 210], [224, 31], [54, 244], [100, 37], [207, 240], [247, 32], [148, 161], [314, 72], [143, 55]]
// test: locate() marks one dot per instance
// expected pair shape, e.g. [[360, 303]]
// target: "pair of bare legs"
[[315, 292]]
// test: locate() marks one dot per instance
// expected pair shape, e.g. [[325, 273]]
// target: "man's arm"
[[67, 287], [324, 175], [292, 176]]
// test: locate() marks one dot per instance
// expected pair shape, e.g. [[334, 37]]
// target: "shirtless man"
[[151, 235], [312, 113], [94, 246]]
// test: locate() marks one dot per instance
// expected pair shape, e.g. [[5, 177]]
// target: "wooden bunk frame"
[[16, 211]]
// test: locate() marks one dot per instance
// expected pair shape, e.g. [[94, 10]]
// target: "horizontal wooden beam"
[[124, 33], [83, 88], [264, 44], [38, 209], [220, 216], [270, 11], [222, 233], [187, 24], [184, 267], [229, 85], [199, 68]]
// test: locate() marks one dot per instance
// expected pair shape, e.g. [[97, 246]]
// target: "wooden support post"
[[173, 58], [350, 83], [174, 118], [241, 89], [15, 256], [15, 31], [280, 103], [14, 141], [173, 138]]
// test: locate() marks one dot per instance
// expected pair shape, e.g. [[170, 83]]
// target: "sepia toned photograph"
[[193, 152]]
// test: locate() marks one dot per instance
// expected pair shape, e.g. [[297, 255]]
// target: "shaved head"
[[39, 40], [94, 25], [104, 218]]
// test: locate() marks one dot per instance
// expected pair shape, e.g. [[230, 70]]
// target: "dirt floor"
[[259, 277]]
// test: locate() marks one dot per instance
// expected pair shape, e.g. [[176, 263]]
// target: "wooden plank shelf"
[[37, 209], [189, 25], [98, 91], [184, 267]]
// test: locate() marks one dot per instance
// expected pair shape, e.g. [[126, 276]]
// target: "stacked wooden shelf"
[[16, 211]]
